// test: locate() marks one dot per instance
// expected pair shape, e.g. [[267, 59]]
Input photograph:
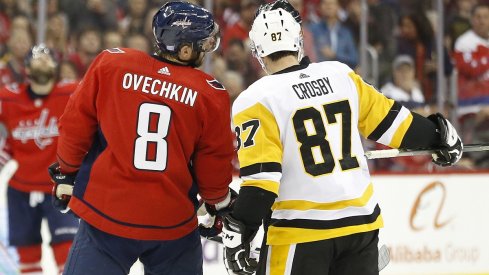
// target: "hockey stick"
[[375, 154], [392, 153], [8, 171], [384, 255]]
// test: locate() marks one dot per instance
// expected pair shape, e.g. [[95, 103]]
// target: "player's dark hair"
[[281, 54], [478, 6]]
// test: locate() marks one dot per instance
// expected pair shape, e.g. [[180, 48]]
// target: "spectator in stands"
[[226, 12], [458, 21], [472, 61], [381, 24], [57, 31], [234, 83], [219, 67], [134, 20], [240, 29], [416, 39], [139, 42], [21, 22], [112, 39], [68, 72], [89, 44], [238, 59], [309, 49], [100, 14], [12, 68], [11, 8], [333, 40], [148, 22], [403, 88]]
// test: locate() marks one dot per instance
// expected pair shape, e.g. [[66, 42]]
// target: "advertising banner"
[[434, 224]]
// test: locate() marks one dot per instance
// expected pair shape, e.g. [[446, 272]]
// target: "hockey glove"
[[451, 145], [236, 239], [213, 225], [62, 189]]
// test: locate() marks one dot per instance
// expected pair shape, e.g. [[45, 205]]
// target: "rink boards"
[[434, 224]]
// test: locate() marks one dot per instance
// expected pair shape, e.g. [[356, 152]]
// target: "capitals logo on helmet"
[[179, 23]]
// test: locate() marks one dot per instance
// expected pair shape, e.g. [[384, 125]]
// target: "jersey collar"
[[302, 65]]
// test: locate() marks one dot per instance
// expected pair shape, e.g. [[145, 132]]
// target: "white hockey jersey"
[[299, 137]]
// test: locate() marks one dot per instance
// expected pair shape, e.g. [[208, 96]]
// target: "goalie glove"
[[62, 189], [236, 239], [212, 222], [451, 145]]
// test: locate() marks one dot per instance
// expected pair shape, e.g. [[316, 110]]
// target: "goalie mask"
[[275, 31]]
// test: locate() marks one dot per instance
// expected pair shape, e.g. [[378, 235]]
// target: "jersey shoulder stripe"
[[386, 123], [282, 232], [380, 118], [258, 136], [259, 168]]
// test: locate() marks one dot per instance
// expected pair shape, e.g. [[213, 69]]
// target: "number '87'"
[[253, 126]]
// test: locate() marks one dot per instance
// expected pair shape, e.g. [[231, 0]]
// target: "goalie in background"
[[302, 163], [141, 136], [29, 113]]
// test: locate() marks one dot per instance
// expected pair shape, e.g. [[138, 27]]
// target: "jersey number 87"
[[319, 140]]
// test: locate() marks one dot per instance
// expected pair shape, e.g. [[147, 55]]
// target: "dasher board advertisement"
[[435, 224]]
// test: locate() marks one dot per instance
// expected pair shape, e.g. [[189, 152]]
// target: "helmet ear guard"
[[274, 31]]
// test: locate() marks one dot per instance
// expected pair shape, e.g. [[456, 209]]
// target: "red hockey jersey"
[[32, 129], [145, 136]]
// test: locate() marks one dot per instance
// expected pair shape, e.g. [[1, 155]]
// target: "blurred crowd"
[[401, 36]]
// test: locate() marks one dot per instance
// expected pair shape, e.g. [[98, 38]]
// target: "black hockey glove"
[[213, 227], [236, 239], [451, 145], [62, 189]]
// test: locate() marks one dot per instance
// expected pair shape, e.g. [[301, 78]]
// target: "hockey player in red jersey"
[[144, 135], [30, 112]]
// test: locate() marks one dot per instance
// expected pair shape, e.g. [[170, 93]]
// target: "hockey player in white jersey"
[[302, 163]]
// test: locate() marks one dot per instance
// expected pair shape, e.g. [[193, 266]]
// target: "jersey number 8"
[[149, 135]]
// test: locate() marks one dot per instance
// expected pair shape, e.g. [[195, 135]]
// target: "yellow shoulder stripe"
[[369, 97], [401, 132], [267, 146], [288, 235]]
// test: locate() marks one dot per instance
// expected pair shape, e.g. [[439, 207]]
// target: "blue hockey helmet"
[[177, 23]]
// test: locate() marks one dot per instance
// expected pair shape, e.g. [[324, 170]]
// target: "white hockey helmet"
[[274, 31]]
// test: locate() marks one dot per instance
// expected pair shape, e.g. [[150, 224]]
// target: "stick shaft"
[[392, 153]]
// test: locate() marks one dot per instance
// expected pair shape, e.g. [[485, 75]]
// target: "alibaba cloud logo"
[[428, 208]]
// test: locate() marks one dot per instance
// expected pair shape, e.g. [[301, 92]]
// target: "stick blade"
[[384, 257]]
